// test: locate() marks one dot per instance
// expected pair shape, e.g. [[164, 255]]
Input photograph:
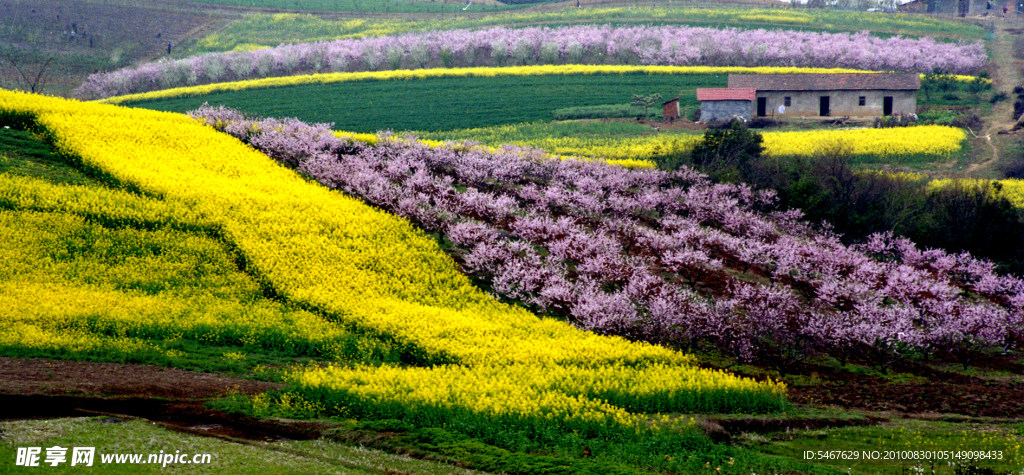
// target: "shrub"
[[764, 122], [1013, 168], [895, 121], [964, 119], [971, 216], [727, 151], [607, 111]]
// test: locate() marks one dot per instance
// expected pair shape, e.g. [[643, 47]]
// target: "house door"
[[762, 106], [823, 106], [887, 105]]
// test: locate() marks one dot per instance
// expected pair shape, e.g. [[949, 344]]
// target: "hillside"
[[418, 347], [374, 249]]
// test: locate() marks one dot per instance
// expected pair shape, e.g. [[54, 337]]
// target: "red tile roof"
[[726, 94]]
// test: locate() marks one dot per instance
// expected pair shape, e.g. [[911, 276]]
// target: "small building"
[[670, 109], [916, 6], [841, 95], [722, 104]]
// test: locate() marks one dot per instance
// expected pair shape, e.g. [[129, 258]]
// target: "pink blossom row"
[[499, 46], [668, 257]]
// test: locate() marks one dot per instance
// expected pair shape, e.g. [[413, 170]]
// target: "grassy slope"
[[24, 154], [94, 35], [903, 438], [527, 132], [131, 436]]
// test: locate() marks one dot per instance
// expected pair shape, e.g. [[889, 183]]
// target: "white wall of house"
[[841, 103]]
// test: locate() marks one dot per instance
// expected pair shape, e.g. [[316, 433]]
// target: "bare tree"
[[32, 81]]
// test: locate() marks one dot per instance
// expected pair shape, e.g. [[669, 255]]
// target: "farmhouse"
[[720, 104], [852, 95]]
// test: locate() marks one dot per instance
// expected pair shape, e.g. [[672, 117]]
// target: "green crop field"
[[450, 103], [445, 103]]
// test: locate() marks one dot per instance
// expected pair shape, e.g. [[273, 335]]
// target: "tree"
[[974, 216], [727, 153], [640, 100], [975, 86], [31, 81]]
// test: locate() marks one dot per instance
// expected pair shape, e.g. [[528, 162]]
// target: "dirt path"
[[1006, 76], [174, 398], [23, 376]]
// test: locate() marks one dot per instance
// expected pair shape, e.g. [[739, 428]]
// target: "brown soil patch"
[[659, 125], [779, 424], [183, 416], [940, 392], [19, 376], [174, 398]]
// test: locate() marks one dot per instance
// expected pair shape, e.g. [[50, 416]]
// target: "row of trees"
[[590, 44]]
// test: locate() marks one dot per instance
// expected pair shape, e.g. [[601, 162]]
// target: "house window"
[[863, 101], [786, 102]]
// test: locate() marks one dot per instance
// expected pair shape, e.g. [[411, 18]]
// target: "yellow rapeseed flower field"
[[924, 140], [932, 140], [376, 273], [85, 265], [1012, 189], [642, 148], [634, 160]]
